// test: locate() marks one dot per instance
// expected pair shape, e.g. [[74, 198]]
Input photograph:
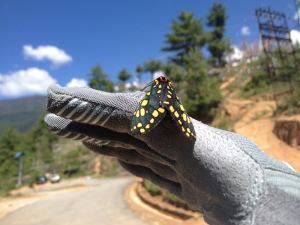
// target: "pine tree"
[[198, 90], [152, 66], [187, 35], [218, 45], [139, 70], [99, 80], [10, 141], [39, 143], [123, 76]]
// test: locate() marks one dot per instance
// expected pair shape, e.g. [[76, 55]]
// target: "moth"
[[159, 100]]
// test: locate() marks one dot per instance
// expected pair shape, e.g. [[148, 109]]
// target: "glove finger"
[[132, 157], [114, 111], [102, 136], [94, 107], [147, 173]]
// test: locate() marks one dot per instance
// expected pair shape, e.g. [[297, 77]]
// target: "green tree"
[[123, 76], [152, 66], [10, 141], [139, 71], [39, 142], [99, 80], [189, 69], [202, 95], [218, 45], [187, 35]]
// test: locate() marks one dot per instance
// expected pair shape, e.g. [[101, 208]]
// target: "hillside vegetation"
[[21, 113]]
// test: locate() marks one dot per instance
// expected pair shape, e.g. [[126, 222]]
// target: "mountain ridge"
[[21, 113]]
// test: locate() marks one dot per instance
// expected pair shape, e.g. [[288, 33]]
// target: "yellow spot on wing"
[[166, 102], [158, 91], [188, 130], [171, 108], [152, 120], [181, 107], [134, 127], [179, 121], [187, 134], [142, 112], [147, 126], [161, 110], [139, 125], [148, 93], [144, 102], [182, 128], [169, 96], [188, 120], [137, 113], [176, 114], [142, 130], [155, 113], [184, 116]]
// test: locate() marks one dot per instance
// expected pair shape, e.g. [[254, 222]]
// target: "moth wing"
[[178, 113], [149, 113]]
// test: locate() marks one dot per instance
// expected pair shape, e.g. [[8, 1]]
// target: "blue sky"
[[114, 34]]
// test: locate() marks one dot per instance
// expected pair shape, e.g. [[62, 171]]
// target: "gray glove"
[[222, 174]]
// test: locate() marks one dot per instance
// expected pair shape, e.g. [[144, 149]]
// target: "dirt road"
[[100, 203]]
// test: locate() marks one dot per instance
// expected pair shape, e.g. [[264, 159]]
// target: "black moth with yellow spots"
[[152, 109]]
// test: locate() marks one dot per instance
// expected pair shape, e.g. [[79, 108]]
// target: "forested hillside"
[[21, 113]]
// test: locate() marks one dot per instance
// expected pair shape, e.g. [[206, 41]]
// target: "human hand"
[[221, 174]]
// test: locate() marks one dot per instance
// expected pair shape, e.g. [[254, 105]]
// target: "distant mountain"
[[21, 113]]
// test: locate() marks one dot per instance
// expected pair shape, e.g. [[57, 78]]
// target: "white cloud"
[[47, 52], [77, 83], [245, 31], [236, 55], [23, 82], [295, 36]]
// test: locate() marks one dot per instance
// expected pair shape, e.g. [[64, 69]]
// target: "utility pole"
[[19, 156]]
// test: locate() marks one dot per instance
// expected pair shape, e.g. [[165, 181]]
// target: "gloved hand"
[[222, 174]]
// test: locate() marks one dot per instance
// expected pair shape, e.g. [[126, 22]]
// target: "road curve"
[[103, 204]]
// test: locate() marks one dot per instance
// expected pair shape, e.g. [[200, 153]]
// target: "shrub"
[[259, 83], [291, 104], [153, 189]]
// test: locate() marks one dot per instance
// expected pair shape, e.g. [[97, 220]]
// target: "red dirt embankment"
[[254, 119]]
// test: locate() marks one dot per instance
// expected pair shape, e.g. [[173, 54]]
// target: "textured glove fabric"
[[221, 174]]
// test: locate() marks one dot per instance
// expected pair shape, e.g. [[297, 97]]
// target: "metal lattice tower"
[[277, 44], [297, 5]]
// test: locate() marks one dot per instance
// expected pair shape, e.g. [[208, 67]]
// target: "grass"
[[153, 189], [290, 104]]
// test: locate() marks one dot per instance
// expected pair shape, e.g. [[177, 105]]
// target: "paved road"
[[101, 204]]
